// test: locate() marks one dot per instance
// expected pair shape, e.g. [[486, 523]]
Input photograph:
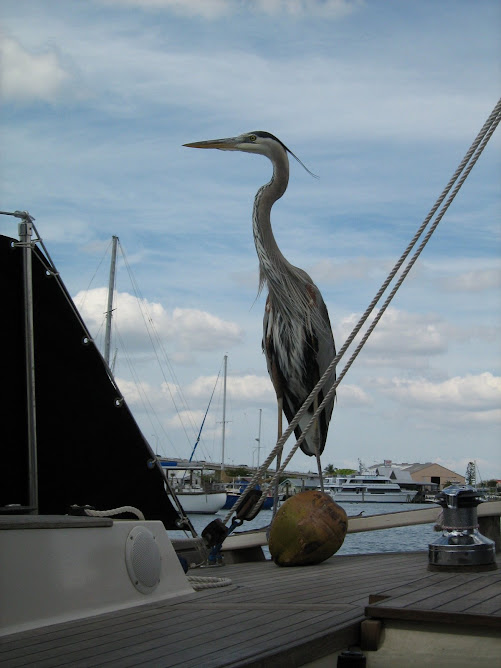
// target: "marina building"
[[429, 474]]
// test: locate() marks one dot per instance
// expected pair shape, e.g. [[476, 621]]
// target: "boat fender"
[[247, 510]]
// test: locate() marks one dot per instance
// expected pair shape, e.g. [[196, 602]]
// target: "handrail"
[[401, 518]]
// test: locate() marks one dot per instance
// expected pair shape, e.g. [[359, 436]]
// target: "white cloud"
[[324, 8], [135, 393], [398, 337], [352, 395], [480, 394], [247, 388], [473, 281], [30, 76], [210, 9], [202, 330], [185, 417], [186, 330]]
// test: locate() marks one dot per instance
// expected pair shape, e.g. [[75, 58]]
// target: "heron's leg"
[[279, 453], [316, 426]]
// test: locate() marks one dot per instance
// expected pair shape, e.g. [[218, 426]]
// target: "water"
[[400, 539]]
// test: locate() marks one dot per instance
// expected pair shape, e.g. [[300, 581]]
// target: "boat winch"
[[461, 546]]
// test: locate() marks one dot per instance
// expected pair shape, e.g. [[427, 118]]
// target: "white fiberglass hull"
[[366, 496], [201, 503], [61, 568]]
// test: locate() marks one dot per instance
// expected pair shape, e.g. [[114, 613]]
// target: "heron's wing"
[[297, 356]]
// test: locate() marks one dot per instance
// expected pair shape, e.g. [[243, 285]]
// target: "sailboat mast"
[[224, 412], [109, 308], [25, 235]]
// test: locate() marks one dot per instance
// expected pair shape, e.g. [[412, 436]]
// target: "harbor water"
[[399, 539]]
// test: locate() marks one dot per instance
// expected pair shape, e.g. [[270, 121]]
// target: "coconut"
[[308, 528]]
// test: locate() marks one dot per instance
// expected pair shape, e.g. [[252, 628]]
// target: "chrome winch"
[[461, 546]]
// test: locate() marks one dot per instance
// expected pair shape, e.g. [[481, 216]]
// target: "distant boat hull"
[[367, 488], [369, 496], [201, 503], [232, 498]]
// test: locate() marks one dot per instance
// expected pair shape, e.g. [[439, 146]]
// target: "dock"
[[286, 617]]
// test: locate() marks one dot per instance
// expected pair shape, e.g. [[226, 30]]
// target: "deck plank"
[[268, 614], [472, 599], [488, 606], [207, 653]]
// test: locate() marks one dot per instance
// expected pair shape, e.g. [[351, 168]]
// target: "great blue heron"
[[297, 334]]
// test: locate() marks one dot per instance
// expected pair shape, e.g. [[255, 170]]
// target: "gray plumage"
[[297, 334]]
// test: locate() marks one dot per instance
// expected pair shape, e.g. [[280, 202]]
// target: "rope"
[[115, 511], [464, 168], [199, 583], [156, 344]]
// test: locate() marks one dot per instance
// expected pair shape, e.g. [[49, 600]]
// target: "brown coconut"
[[308, 528]]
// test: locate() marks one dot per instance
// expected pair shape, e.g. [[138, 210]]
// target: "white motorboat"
[[367, 488]]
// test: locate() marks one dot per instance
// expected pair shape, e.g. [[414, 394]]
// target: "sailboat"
[[72, 453], [189, 488]]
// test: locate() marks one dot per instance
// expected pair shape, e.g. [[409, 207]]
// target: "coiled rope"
[[199, 583], [461, 173]]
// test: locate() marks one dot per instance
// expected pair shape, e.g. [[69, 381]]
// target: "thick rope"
[[465, 166], [404, 274], [199, 583], [115, 511]]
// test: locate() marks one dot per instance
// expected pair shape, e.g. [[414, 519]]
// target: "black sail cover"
[[90, 450]]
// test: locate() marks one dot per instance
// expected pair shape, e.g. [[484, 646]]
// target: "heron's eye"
[[252, 137]]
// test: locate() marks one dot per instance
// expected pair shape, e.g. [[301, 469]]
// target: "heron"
[[297, 335]]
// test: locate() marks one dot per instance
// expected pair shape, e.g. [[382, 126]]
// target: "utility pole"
[[258, 439]]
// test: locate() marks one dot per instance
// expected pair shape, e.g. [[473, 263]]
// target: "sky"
[[381, 99]]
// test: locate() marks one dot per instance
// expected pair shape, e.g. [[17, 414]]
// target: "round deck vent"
[[142, 556]]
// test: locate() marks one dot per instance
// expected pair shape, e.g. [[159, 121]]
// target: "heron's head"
[[263, 143], [260, 142]]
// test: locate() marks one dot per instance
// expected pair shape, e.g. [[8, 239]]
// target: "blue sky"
[[380, 99]]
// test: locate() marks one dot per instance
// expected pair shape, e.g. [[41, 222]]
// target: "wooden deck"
[[268, 616], [467, 599]]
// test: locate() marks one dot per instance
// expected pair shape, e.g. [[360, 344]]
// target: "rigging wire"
[[157, 345], [145, 400], [81, 304], [461, 173], [203, 421]]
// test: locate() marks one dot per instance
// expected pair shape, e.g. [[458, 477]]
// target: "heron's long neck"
[[269, 254], [290, 288]]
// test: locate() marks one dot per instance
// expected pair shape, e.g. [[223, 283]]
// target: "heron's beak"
[[223, 144]]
